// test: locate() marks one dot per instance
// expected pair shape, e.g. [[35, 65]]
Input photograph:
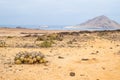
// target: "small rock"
[[103, 68], [84, 59], [82, 75], [93, 53], [97, 51], [72, 74], [60, 57], [111, 48], [10, 65], [46, 69]]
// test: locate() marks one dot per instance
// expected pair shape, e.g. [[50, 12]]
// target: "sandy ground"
[[18, 32], [103, 61]]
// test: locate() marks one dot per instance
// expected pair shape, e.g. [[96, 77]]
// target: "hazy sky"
[[55, 12]]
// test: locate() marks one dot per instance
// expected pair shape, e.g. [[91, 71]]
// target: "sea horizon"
[[52, 27]]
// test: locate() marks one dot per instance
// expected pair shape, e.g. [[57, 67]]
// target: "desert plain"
[[71, 55]]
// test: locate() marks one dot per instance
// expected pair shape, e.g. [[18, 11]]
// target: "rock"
[[72, 74], [82, 75], [84, 59], [60, 57]]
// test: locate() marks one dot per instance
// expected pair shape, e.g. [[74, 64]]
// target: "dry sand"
[[92, 59]]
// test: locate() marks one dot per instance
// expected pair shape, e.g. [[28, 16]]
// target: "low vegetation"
[[53, 36], [45, 44], [2, 43]]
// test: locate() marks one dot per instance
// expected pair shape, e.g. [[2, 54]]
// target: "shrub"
[[9, 36], [41, 38], [2, 43], [101, 34], [49, 37], [46, 44], [55, 37], [69, 42]]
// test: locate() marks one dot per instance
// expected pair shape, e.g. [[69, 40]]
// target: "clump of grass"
[[69, 42], [46, 44], [72, 41], [46, 41], [9, 36], [101, 34], [2, 43], [29, 58], [53, 36], [41, 38]]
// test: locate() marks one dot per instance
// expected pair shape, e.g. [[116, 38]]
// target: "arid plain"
[[80, 55]]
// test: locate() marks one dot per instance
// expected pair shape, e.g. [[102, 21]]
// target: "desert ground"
[[80, 55]]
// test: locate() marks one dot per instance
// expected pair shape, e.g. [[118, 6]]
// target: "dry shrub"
[[2, 43]]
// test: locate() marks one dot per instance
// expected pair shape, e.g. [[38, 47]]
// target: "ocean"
[[43, 27], [51, 27]]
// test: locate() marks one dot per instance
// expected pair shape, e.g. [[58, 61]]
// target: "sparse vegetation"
[[2, 43], [85, 50], [49, 37], [9, 36], [101, 34], [41, 38], [45, 44], [69, 42]]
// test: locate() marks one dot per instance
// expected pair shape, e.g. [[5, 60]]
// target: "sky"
[[56, 12]]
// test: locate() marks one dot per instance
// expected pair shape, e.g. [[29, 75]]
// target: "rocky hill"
[[100, 22]]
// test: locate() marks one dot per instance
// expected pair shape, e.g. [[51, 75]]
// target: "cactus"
[[22, 58], [42, 61], [30, 61], [18, 62], [29, 58]]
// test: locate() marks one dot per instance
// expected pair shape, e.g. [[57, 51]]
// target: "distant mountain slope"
[[100, 22]]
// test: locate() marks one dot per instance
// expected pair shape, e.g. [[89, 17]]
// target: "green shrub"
[[46, 44]]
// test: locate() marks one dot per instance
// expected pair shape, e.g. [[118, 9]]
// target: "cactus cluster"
[[29, 58]]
